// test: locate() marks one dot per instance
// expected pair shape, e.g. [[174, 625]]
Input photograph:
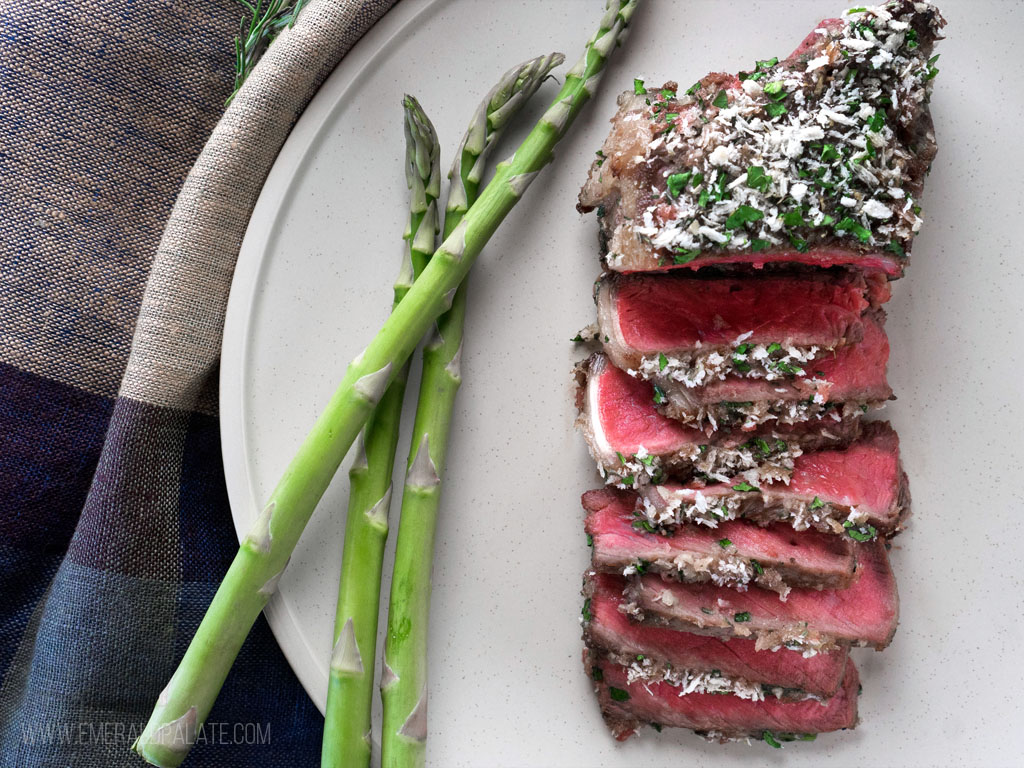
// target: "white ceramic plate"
[[506, 684]]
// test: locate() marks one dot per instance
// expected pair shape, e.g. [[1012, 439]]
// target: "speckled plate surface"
[[506, 684]]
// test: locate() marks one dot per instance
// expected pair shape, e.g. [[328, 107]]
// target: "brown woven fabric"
[[178, 336]]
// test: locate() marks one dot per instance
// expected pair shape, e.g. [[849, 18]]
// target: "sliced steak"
[[815, 160], [633, 443], [610, 630], [628, 705], [735, 554], [866, 613], [690, 331], [859, 491]]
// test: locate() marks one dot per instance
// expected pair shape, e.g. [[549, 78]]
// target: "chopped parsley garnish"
[[932, 71], [829, 153], [600, 158], [590, 540], [862, 534], [622, 459], [693, 89], [757, 567], [587, 615], [667, 93], [852, 225], [724, 543], [659, 395], [757, 178], [774, 90], [676, 183], [638, 86], [740, 618], [774, 347], [743, 215], [794, 219], [744, 486], [684, 256], [774, 110], [656, 726], [597, 673], [895, 247], [662, 361], [577, 338], [617, 694], [721, 100], [638, 524], [817, 503], [769, 739], [877, 121], [757, 245], [742, 349]]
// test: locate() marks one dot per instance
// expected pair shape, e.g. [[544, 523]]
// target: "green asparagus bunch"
[[403, 686], [350, 688], [253, 575]]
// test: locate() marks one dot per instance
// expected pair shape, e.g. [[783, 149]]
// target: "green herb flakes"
[[743, 215], [638, 86], [721, 100], [741, 618], [724, 543], [618, 694], [677, 182], [662, 361], [769, 739], [744, 487]]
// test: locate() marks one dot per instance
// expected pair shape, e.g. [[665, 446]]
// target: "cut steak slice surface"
[[859, 491], [866, 613], [693, 330], [775, 166], [633, 443], [610, 630], [832, 387], [628, 705], [735, 554]]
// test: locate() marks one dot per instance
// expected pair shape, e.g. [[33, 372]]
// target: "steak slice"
[[690, 331], [843, 383], [633, 443], [735, 659], [737, 554], [860, 490], [815, 160], [628, 705], [866, 613]]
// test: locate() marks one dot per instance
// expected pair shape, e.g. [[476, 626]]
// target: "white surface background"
[[507, 688]]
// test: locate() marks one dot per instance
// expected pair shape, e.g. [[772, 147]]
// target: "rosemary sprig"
[[267, 19]]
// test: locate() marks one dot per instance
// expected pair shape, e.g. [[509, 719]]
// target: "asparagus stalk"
[[403, 685], [346, 742], [252, 577]]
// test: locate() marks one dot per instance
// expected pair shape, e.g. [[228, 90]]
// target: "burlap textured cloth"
[[115, 527]]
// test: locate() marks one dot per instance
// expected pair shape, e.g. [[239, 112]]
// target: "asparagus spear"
[[350, 687], [252, 577], [403, 686]]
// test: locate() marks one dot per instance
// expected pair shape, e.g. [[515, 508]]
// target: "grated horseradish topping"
[[801, 153]]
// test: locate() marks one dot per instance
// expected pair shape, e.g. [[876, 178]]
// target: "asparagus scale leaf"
[[403, 685], [252, 577], [350, 683]]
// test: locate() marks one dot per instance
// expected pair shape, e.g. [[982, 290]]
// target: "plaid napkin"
[[115, 527]]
